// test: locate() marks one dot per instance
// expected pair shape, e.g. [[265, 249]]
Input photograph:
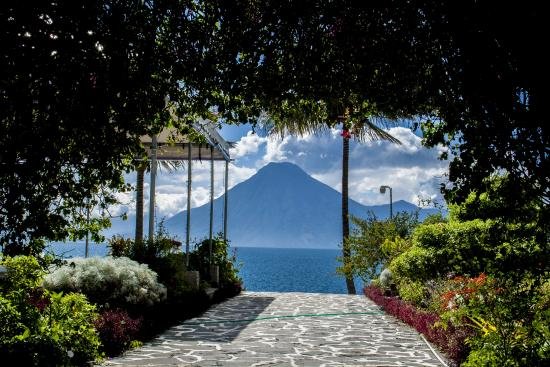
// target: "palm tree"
[[140, 171], [361, 130], [141, 167]]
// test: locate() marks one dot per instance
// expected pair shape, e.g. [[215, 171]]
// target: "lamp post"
[[383, 191]]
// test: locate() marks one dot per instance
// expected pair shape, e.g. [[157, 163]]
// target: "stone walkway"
[[287, 329]]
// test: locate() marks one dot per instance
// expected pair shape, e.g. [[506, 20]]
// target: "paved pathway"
[[287, 329]]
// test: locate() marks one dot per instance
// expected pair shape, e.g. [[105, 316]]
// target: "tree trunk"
[[345, 212], [139, 203]]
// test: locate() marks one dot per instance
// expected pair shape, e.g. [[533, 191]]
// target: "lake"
[[267, 269]]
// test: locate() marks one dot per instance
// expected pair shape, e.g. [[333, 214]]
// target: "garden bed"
[[449, 339]]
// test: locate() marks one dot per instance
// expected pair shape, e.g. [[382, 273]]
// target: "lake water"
[[267, 269]]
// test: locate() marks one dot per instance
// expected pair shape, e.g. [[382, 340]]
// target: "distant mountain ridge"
[[281, 206]]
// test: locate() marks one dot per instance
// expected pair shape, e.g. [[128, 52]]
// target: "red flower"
[[346, 134], [480, 280]]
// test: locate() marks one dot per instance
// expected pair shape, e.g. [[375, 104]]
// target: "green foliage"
[[374, 243], [434, 218], [507, 240], [145, 252], [108, 281], [77, 78], [120, 246], [23, 272], [172, 269], [413, 292], [199, 260], [163, 256], [42, 328], [392, 248], [510, 318], [417, 263], [494, 244], [70, 323]]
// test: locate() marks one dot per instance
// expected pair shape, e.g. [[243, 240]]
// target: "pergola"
[[170, 145]]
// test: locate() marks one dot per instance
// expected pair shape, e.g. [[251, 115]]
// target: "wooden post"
[[86, 249], [152, 188], [188, 224], [225, 201], [211, 204]]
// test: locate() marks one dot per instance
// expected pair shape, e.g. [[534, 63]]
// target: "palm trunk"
[[139, 203], [345, 213]]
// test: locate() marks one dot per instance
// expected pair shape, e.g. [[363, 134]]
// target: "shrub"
[[163, 255], [117, 330], [488, 245], [171, 270], [120, 246], [413, 292], [145, 252], [108, 281], [368, 247], [451, 340], [199, 260], [69, 321], [510, 318], [417, 264], [41, 328]]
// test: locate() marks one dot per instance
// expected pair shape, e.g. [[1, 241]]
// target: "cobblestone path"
[[286, 329]]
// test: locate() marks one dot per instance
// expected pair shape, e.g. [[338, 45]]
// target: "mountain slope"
[[280, 206]]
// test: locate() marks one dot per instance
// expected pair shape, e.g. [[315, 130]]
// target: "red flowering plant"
[[117, 329], [39, 298], [503, 313], [460, 290], [458, 303], [449, 338]]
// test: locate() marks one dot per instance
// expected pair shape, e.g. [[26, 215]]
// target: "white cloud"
[[410, 169], [248, 144], [407, 184], [410, 143], [239, 174], [275, 149], [168, 204]]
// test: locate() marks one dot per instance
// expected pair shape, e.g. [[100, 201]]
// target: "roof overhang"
[[173, 146]]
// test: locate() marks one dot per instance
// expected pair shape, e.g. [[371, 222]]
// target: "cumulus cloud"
[[248, 144], [275, 149], [410, 169], [168, 204]]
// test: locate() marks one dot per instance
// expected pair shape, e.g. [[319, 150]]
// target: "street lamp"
[[383, 191]]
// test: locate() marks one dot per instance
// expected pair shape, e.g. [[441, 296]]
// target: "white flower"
[[113, 279]]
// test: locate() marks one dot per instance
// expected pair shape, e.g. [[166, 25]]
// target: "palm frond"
[[170, 166], [368, 130], [297, 128]]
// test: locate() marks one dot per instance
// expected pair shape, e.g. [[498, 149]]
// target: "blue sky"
[[412, 170]]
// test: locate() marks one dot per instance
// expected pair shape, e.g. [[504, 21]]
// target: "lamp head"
[[382, 189]]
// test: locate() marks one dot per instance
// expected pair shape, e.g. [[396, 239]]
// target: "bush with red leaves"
[[116, 330], [451, 340]]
